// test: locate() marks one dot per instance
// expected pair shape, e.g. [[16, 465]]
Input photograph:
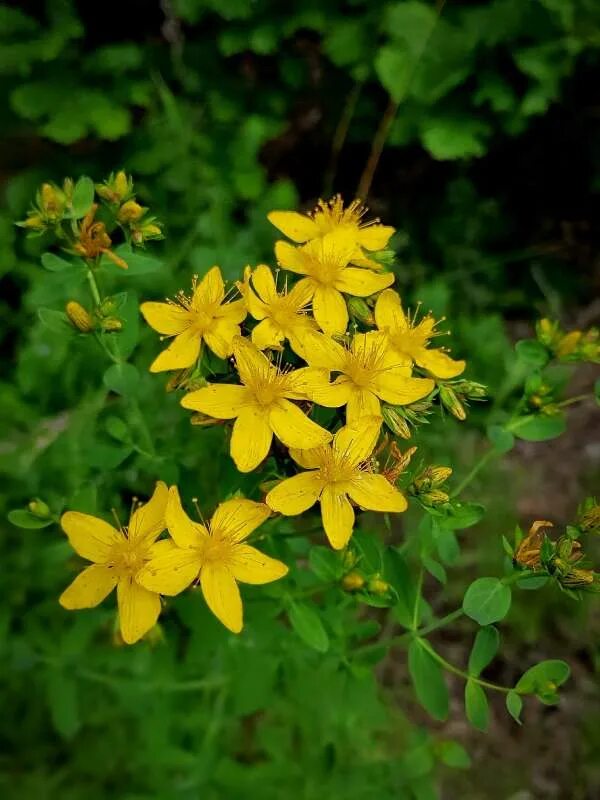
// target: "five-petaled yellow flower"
[[261, 406], [216, 555], [118, 556], [282, 315], [370, 371], [339, 472], [410, 340], [332, 216], [203, 317], [326, 264]]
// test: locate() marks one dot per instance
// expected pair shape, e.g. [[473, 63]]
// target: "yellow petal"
[[220, 337], [301, 294], [401, 391], [356, 441], [249, 565], [166, 318], [375, 237], [439, 363], [250, 362], [185, 532], [333, 395], [148, 521], [362, 282], [362, 403], [292, 258], [376, 493], [181, 353], [263, 283], [210, 289], [90, 537], [296, 227], [267, 334], [295, 495], [172, 571], [338, 517], [89, 588], [218, 400], [309, 459], [235, 519], [329, 308], [294, 428], [234, 312], [323, 351], [222, 595], [138, 609], [251, 439], [389, 315], [299, 383]]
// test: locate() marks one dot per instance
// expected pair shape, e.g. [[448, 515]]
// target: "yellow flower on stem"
[[338, 473], [94, 241], [215, 554], [281, 315], [117, 556], [261, 406], [332, 216], [370, 371], [203, 317], [326, 264], [411, 340]]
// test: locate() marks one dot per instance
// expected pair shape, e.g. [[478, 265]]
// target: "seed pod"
[[79, 317]]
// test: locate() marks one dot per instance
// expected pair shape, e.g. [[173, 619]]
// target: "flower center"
[[335, 468], [128, 557], [217, 550]]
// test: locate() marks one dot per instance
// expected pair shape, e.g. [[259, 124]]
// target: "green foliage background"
[[224, 111]]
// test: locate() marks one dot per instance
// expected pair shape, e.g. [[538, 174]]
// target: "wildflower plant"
[[309, 381]]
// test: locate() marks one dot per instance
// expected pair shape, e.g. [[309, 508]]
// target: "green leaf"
[[487, 600], [449, 138], [62, 696], [118, 429], [138, 263], [539, 428], [306, 622], [532, 353], [462, 515], [129, 313], [25, 519], [476, 705], [514, 706], [54, 263], [83, 197], [597, 391], [428, 680], [543, 679], [502, 440], [55, 321], [484, 649], [434, 568], [325, 563], [106, 456], [394, 65], [454, 755], [122, 379]]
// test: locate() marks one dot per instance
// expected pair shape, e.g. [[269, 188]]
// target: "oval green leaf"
[[487, 600]]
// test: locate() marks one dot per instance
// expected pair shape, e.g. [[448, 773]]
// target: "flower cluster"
[[295, 342]]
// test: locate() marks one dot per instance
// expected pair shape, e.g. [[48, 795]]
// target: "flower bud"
[[353, 581], [34, 222], [38, 508], [577, 578], [378, 586], [111, 325], [471, 389], [79, 317], [567, 344], [589, 520], [203, 421], [122, 184], [547, 332], [52, 202], [451, 403], [359, 309], [395, 421], [130, 211], [434, 497]]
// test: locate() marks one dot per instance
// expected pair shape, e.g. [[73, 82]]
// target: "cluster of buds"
[[563, 559], [400, 419], [569, 346], [357, 580], [117, 192], [51, 206], [102, 318], [427, 486], [455, 395]]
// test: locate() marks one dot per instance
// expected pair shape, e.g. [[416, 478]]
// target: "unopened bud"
[[79, 317], [359, 309], [378, 586], [577, 578], [547, 332], [434, 497], [568, 344], [589, 520], [122, 184], [33, 222], [203, 421], [38, 508], [395, 421], [111, 325], [130, 211], [451, 403], [349, 559], [52, 201], [471, 389], [353, 581]]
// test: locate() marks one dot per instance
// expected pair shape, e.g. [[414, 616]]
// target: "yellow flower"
[[93, 240], [326, 264], [337, 474], [410, 340], [332, 216], [261, 406], [527, 553], [204, 317], [117, 556], [282, 316], [216, 554], [370, 371]]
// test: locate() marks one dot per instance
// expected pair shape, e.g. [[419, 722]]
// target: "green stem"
[[93, 286], [461, 673], [417, 606], [478, 466], [572, 400]]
